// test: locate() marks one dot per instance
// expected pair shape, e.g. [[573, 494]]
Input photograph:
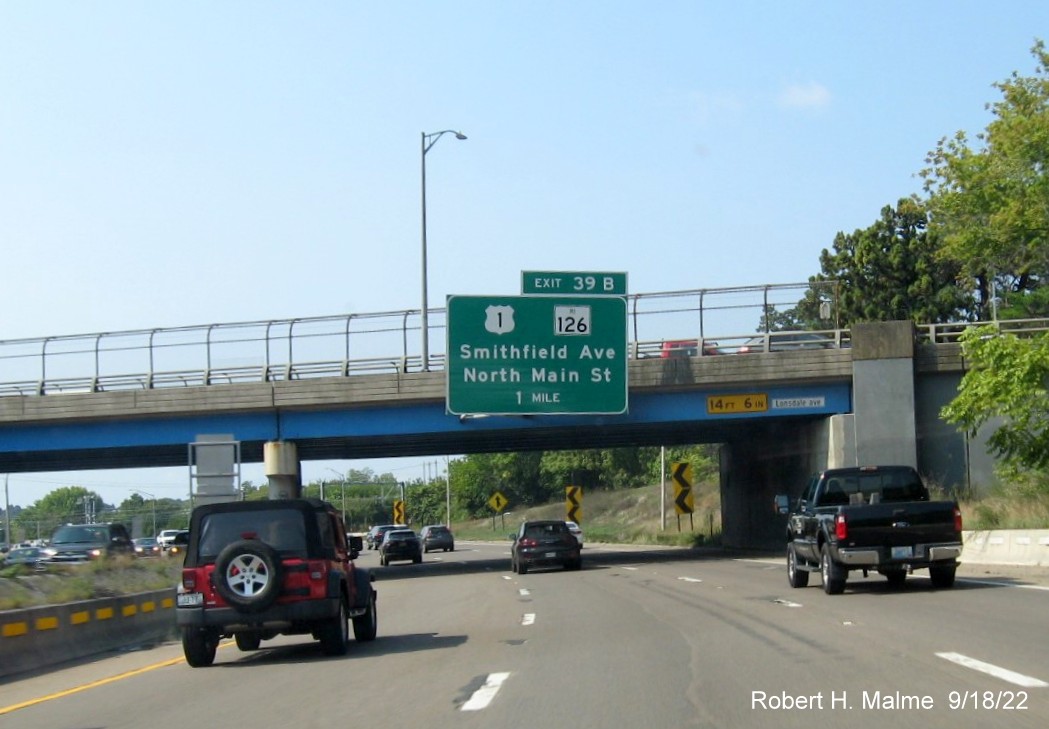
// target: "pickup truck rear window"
[[872, 488]]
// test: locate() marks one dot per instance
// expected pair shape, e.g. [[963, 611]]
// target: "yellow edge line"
[[95, 684]]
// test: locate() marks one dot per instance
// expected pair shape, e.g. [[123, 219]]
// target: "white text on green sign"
[[573, 283], [531, 354]]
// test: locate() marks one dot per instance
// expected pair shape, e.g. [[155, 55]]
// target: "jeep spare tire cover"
[[248, 575]]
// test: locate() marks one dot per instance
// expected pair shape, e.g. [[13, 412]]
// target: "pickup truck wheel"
[[833, 575], [335, 633], [248, 641], [366, 626], [248, 575], [199, 647], [797, 577], [943, 577]]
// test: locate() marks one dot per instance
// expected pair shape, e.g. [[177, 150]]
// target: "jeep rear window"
[[282, 529]]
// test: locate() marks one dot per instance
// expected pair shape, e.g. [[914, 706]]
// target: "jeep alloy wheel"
[[248, 575]]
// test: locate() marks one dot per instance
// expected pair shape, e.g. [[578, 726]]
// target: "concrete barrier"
[[35, 638], [1021, 547]]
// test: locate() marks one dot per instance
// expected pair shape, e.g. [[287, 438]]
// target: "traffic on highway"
[[639, 636]]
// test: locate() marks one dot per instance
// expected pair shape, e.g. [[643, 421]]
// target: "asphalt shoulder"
[[1030, 574]]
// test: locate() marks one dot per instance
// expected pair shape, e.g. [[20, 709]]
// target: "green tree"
[[1007, 379], [890, 271], [991, 205], [69, 504]]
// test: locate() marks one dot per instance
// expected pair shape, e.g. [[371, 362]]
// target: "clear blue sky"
[[165, 164]]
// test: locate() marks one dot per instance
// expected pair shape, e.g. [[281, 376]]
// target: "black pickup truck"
[[875, 518]]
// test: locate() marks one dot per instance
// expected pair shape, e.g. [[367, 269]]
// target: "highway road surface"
[[641, 637]]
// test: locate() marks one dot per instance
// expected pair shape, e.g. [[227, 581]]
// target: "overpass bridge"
[[872, 394]]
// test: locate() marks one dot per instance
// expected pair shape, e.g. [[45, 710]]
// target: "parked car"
[[577, 532], [147, 547], [786, 342], [85, 542], [24, 555], [544, 543], [437, 536], [376, 533], [399, 545]]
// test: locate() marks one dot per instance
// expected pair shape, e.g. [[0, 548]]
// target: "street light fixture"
[[428, 140]]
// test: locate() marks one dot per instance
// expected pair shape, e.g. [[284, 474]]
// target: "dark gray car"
[[437, 536], [85, 542], [544, 543]]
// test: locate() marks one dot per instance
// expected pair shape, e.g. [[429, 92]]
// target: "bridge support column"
[[282, 469], [774, 459], [883, 394]]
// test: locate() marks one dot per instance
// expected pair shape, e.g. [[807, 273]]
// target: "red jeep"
[[257, 569]]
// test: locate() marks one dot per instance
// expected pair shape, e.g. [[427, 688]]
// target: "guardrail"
[[699, 322]]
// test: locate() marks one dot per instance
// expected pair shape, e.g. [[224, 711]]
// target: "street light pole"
[[428, 140], [154, 498], [7, 514], [342, 482]]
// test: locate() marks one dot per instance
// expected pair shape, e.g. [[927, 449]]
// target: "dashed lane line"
[[992, 670], [483, 696]]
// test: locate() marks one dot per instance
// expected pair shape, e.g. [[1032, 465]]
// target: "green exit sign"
[[573, 283], [521, 355]]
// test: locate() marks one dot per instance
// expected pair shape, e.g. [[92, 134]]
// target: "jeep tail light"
[[318, 569], [189, 580], [841, 528], [957, 519]]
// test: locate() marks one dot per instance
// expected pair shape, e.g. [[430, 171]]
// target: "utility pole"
[[7, 514]]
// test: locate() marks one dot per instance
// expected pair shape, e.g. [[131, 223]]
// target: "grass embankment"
[[1004, 511], [629, 516], [22, 586]]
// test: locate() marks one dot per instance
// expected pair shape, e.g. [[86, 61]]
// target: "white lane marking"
[[528, 619], [632, 569], [523, 592], [786, 603], [690, 579], [507, 577], [972, 581], [997, 671], [484, 695]]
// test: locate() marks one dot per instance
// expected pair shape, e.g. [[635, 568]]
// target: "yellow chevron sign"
[[574, 503], [681, 475]]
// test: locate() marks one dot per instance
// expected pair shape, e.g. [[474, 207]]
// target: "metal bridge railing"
[[347, 345]]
